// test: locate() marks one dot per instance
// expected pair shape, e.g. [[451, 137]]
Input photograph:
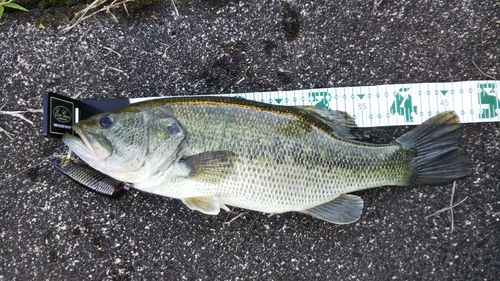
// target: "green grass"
[[9, 4]]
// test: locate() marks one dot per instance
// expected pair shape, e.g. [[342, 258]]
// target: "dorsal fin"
[[342, 125]]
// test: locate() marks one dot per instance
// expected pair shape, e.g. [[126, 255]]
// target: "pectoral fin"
[[210, 166], [208, 205], [345, 209]]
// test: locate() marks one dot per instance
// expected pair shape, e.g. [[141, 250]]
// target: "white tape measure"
[[399, 104]]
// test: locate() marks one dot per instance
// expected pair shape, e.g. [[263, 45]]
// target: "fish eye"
[[106, 121]]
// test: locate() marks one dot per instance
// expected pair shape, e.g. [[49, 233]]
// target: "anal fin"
[[345, 209], [207, 204]]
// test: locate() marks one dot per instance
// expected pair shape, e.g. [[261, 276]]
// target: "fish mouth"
[[86, 145]]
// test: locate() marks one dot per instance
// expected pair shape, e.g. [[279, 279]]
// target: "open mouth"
[[84, 139], [79, 146], [85, 146]]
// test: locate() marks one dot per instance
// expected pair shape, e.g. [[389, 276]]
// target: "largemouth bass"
[[216, 151]]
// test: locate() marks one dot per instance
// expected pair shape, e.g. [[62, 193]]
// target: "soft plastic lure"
[[82, 173]]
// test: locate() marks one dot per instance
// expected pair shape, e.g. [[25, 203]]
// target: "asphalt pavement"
[[53, 229]]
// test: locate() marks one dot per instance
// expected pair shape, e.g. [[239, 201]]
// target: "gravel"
[[53, 229]]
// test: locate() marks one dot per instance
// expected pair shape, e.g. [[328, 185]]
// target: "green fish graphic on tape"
[[216, 151]]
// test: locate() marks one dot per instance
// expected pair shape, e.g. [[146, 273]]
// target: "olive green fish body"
[[263, 157], [283, 163]]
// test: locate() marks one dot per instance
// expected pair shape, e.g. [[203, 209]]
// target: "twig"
[[113, 51], [376, 4], [125, 7], [19, 114], [450, 207], [82, 15], [5, 132], [239, 81], [175, 7], [252, 223], [116, 69], [237, 216], [447, 208], [166, 49], [480, 71], [77, 95], [228, 214]]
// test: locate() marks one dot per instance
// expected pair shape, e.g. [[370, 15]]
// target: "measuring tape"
[[370, 106], [399, 104]]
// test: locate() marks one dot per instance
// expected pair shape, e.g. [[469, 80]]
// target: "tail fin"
[[437, 157]]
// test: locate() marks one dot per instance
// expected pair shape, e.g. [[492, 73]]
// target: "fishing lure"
[[85, 175]]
